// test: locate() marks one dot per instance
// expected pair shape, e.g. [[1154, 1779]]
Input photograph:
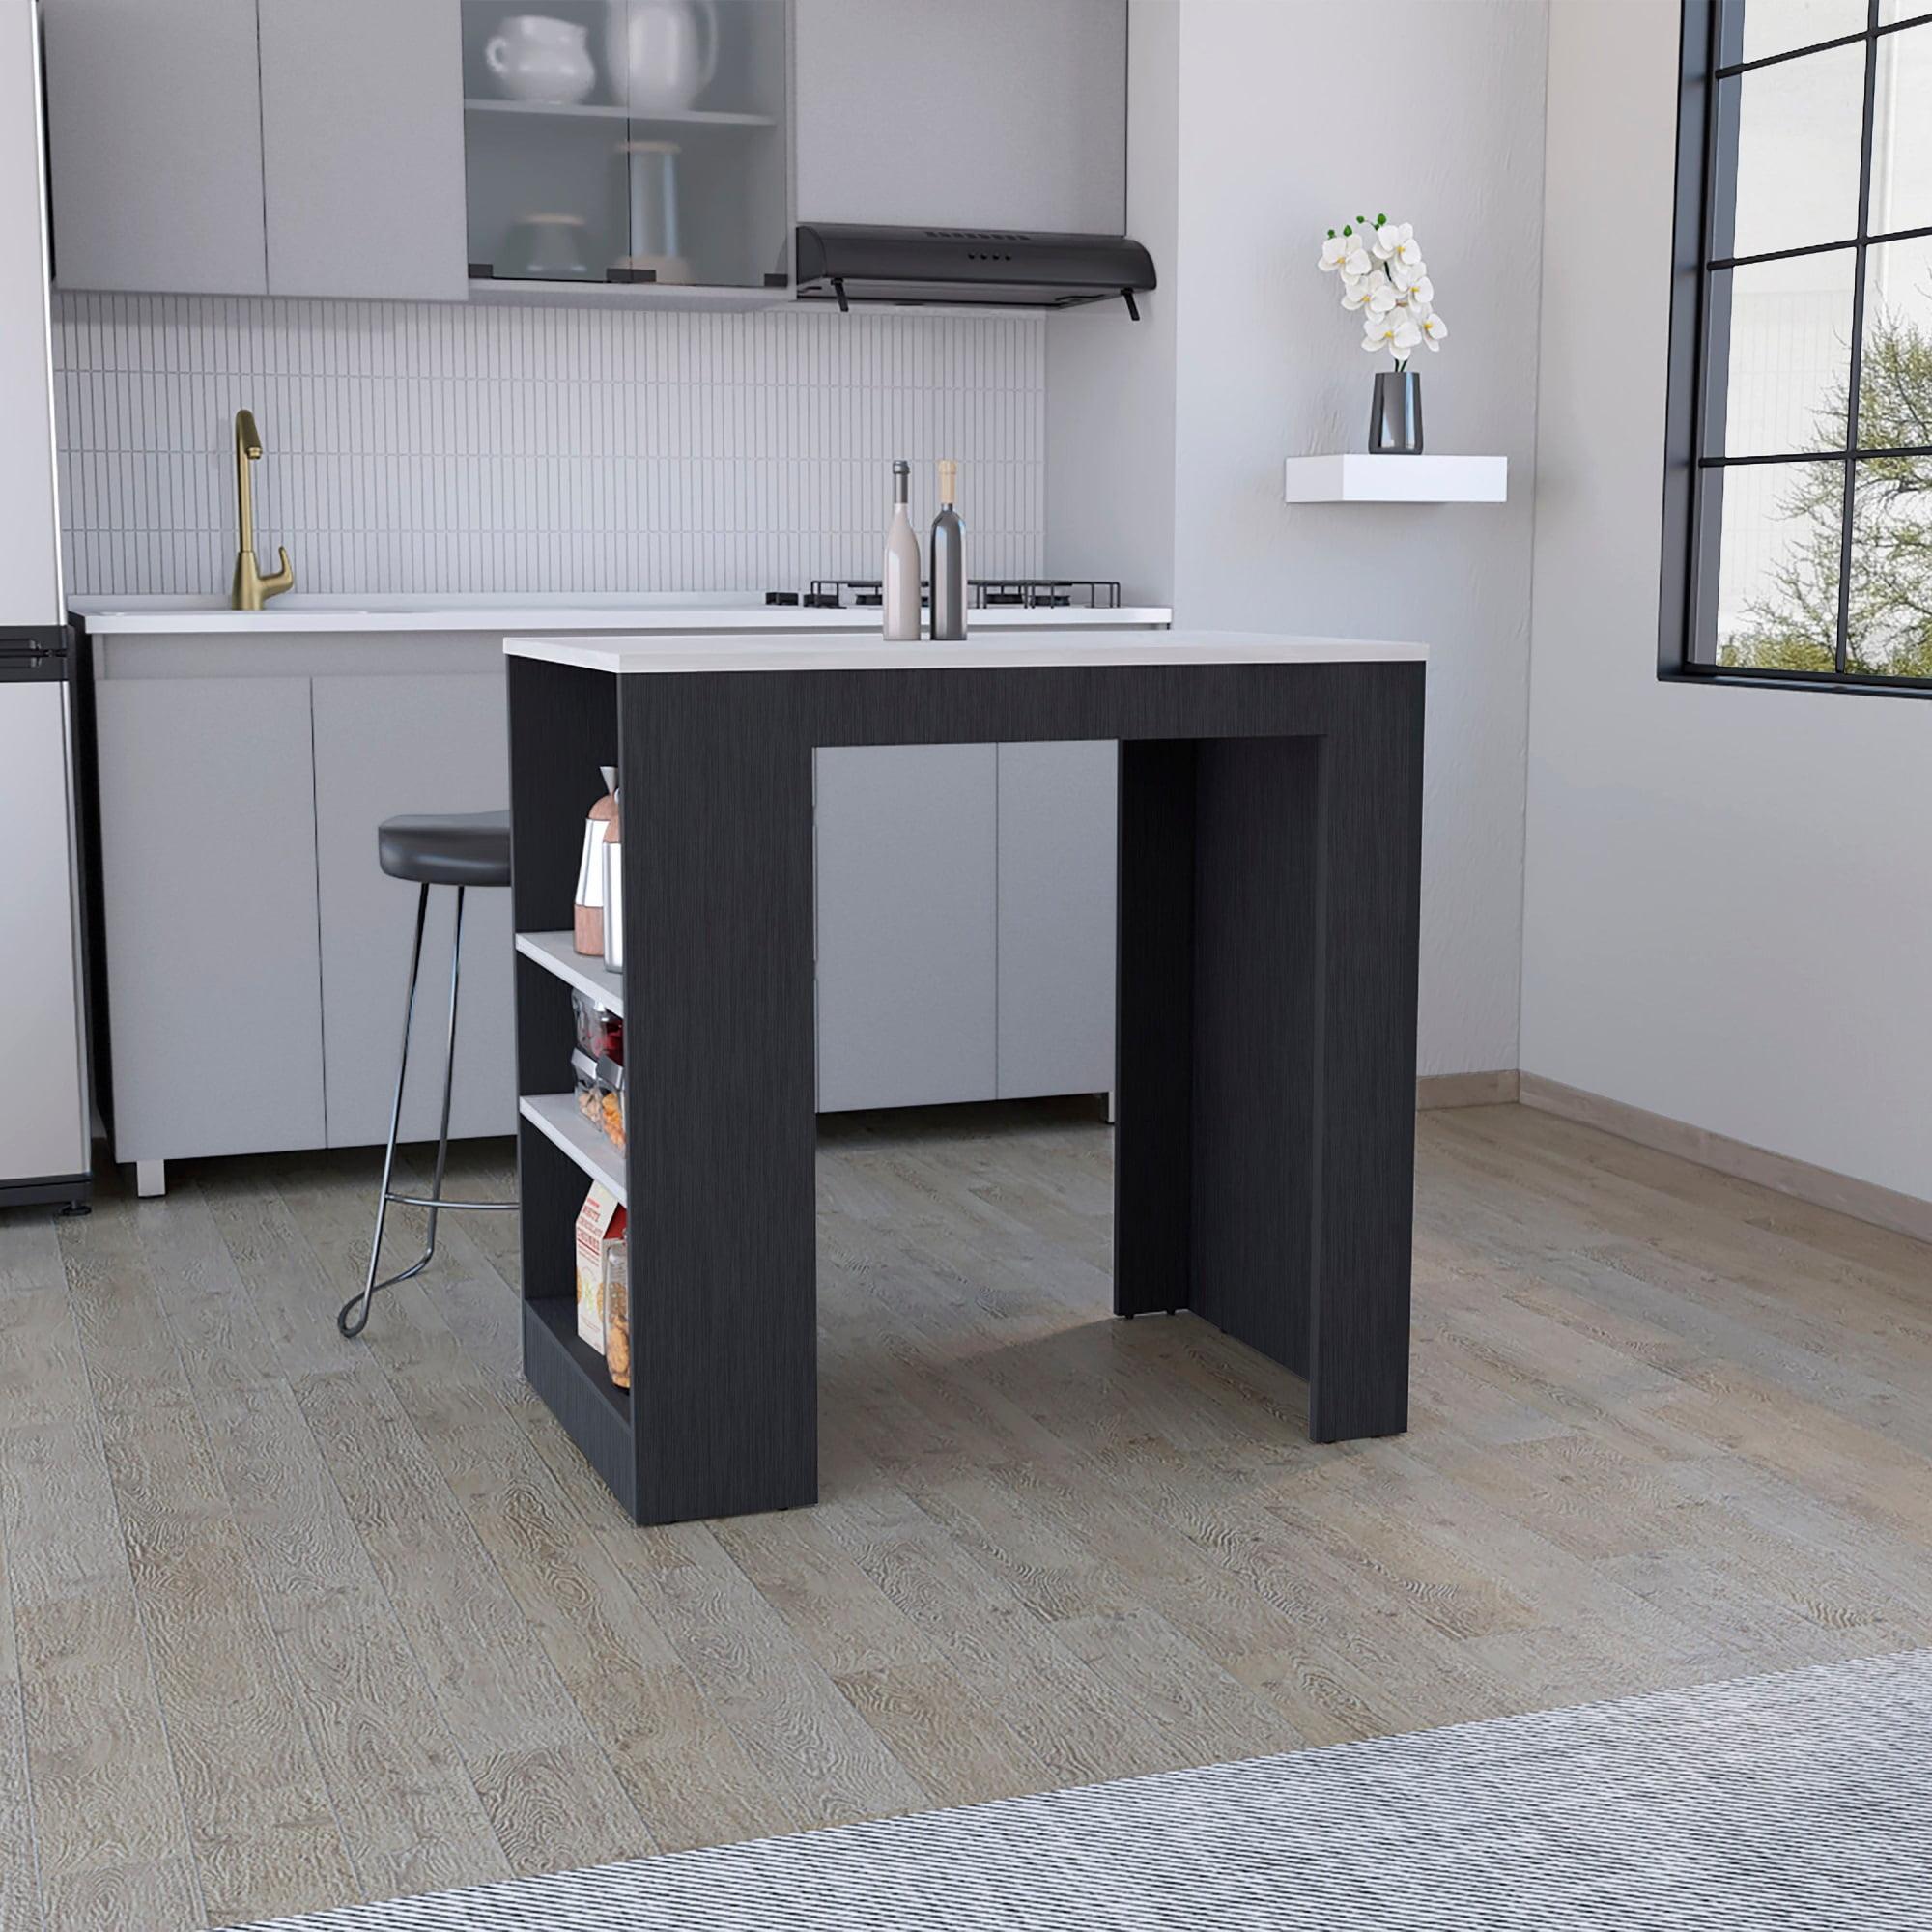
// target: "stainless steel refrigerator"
[[46, 1111]]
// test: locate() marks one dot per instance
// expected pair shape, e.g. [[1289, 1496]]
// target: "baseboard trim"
[[1465, 1090], [1820, 1187]]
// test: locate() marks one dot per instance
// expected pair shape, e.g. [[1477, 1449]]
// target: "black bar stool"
[[461, 849]]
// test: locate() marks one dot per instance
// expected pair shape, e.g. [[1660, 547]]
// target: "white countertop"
[[669, 652], [685, 615]]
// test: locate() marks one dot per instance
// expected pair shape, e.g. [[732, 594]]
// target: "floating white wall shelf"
[[1361, 478]]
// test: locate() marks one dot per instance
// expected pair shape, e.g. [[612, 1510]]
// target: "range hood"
[[987, 267]]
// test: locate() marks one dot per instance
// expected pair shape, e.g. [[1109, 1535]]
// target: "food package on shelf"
[[617, 1313], [614, 1106], [600, 1226], [600, 1033], [589, 1100]]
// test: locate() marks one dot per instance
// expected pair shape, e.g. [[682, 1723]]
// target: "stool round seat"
[[447, 848]]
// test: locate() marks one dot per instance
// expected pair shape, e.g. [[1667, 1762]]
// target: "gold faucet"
[[252, 589]]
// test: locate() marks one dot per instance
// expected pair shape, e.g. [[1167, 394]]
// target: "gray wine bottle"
[[949, 560]]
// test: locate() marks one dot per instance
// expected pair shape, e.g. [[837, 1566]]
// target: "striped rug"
[[1802, 1800]]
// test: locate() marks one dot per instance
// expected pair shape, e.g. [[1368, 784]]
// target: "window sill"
[[1835, 687]]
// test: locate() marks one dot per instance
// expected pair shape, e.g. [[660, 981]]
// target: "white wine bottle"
[[899, 587], [949, 560]]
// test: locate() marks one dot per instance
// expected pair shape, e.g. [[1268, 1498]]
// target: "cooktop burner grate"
[[983, 594]]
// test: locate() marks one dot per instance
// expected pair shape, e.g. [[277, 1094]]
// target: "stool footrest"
[[454, 1206]]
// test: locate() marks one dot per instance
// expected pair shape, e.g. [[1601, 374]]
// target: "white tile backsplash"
[[424, 448]]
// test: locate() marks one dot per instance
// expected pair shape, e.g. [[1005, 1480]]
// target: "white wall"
[[1279, 118], [1728, 905], [1110, 380]]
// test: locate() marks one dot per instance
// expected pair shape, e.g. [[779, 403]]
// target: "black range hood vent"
[[985, 267]]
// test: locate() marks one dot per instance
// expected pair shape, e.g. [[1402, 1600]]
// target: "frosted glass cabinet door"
[[1059, 817], [155, 145], [631, 141], [906, 842], [362, 147]]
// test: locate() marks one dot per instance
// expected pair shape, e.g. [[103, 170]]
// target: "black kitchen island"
[[1270, 817]]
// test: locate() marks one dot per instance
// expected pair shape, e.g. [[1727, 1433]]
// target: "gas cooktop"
[[983, 594]]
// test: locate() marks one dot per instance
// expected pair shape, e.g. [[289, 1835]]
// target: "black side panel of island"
[[718, 836]]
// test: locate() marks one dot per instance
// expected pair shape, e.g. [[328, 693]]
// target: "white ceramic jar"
[[538, 59]]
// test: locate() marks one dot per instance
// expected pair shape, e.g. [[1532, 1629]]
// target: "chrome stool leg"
[[354, 1316]]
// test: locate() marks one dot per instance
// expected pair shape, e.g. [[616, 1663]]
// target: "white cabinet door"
[[1004, 113], [383, 745], [208, 891], [155, 145], [1058, 806], [362, 144], [907, 956]]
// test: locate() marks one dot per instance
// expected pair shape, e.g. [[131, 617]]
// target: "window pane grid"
[[1732, 68], [1857, 341], [1816, 249], [1812, 456]]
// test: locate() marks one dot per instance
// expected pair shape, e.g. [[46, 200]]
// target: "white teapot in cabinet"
[[661, 54]]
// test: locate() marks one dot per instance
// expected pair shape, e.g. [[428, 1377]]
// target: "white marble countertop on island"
[[683, 614], [670, 653]]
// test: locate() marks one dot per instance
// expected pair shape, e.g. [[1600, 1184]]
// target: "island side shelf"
[[723, 1416], [570, 729]]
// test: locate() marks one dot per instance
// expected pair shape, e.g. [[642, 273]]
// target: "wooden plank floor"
[[286, 1622]]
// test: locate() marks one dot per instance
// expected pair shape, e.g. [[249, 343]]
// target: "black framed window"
[[1798, 499]]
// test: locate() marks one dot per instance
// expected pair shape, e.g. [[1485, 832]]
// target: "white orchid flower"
[[1356, 290], [1391, 237], [1434, 330], [1394, 331], [1411, 282], [1346, 253], [1378, 332]]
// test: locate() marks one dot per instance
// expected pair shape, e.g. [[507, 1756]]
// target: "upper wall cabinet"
[[362, 142], [629, 141], [252, 147], [1005, 113], [155, 145]]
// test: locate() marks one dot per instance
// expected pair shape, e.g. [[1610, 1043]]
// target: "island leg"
[[1153, 1118], [1370, 905], [1265, 1154], [716, 812]]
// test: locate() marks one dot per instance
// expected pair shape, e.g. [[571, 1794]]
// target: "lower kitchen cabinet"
[[386, 745], [965, 922], [256, 955], [1058, 808], [907, 911], [208, 891]]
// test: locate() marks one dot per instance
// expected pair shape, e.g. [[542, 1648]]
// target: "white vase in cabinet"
[[661, 54]]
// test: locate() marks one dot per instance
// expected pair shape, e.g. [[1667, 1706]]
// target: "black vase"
[[1395, 421]]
